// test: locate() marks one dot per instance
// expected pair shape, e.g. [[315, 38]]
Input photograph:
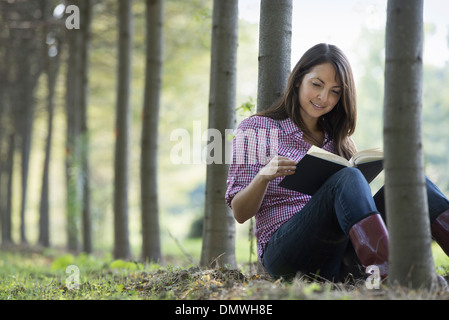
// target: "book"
[[318, 165]]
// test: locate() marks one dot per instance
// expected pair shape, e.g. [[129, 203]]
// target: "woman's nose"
[[323, 95]]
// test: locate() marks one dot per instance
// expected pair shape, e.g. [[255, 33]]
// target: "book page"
[[367, 155], [323, 154]]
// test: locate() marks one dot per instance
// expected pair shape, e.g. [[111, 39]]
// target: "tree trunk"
[[6, 132], [85, 17], [121, 240], [51, 69], [151, 248], [27, 59], [7, 179], [219, 224], [410, 260], [274, 50], [73, 115]]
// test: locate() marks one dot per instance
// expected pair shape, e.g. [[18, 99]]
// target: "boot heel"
[[370, 240]]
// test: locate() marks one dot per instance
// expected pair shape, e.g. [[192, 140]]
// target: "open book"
[[318, 165]]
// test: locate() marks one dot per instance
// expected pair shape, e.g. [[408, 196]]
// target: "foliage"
[[247, 108], [41, 275]]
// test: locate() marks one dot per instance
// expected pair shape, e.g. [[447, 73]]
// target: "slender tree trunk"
[[3, 117], [7, 193], [6, 134], [72, 137], [275, 32], [274, 50], [24, 116], [151, 247], [121, 239], [44, 215], [219, 224], [77, 145], [25, 62], [29, 67], [51, 69], [85, 16], [70, 144], [410, 260]]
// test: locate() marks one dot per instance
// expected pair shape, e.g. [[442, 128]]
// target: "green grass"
[[37, 276], [27, 274], [440, 259]]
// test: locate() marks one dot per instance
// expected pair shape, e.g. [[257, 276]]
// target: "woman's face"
[[319, 92]]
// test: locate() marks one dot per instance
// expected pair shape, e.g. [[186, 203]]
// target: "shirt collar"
[[290, 127]]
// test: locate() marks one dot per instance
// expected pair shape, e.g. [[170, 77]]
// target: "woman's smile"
[[317, 106]]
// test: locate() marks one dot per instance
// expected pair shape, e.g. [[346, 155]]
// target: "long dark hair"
[[339, 123]]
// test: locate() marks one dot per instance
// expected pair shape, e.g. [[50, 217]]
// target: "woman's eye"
[[316, 84]]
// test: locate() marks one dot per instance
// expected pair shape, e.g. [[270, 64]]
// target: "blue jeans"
[[316, 240]]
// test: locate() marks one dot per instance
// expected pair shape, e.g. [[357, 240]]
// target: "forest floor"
[[27, 274]]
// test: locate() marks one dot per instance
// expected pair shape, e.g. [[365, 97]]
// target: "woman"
[[296, 232]]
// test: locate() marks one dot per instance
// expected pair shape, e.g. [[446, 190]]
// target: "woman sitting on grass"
[[313, 234]]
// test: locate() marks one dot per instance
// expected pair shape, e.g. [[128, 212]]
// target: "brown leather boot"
[[440, 231], [370, 240]]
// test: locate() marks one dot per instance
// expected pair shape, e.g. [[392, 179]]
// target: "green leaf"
[[62, 262]]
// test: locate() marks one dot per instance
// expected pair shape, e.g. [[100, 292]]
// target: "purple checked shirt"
[[257, 140]]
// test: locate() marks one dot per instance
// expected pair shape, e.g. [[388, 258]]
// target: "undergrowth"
[[44, 275]]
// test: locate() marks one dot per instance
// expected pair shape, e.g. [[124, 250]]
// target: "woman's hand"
[[246, 203], [278, 167]]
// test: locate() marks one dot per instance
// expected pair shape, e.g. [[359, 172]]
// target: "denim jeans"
[[315, 241]]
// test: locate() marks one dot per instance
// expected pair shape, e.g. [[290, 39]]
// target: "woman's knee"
[[351, 175]]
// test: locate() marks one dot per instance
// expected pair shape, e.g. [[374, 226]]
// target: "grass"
[[31, 275], [27, 274]]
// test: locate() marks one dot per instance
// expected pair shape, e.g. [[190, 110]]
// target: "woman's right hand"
[[279, 166], [246, 203]]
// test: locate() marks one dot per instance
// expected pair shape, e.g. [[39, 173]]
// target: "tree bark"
[[51, 69], [410, 260], [151, 248], [28, 66], [274, 50], [219, 225], [121, 237], [7, 134], [85, 17], [73, 146], [6, 198]]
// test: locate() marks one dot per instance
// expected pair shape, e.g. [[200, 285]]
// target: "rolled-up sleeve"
[[238, 178], [246, 155]]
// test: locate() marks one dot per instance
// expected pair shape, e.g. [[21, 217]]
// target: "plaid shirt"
[[257, 140]]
